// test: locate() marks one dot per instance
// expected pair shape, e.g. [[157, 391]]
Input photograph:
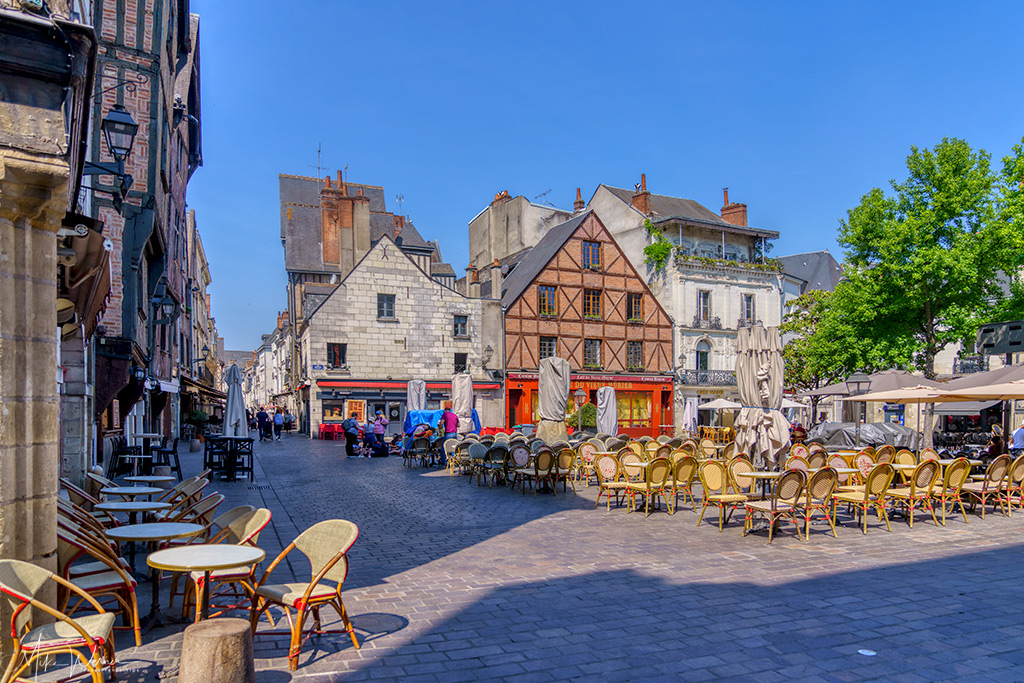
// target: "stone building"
[[507, 226], [387, 322], [715, 281], [576, 296]]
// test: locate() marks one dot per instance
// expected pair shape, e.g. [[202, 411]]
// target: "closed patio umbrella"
[[235, 423], [554, 399], [607, 413], [462, 401], [416, 395], [762, 431]]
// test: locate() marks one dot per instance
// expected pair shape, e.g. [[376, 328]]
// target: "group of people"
[[373, 435], [270, 425]]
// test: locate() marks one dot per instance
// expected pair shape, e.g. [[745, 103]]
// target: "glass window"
[[635, 355], [592, 255], [336, 355], [748, 307], [704, 304], [635, 307], [547, 347], [703, 356], [591, 303], [592, 353], [547, 300], [461, 362], [385, 305], [633, 409], [461, 327]]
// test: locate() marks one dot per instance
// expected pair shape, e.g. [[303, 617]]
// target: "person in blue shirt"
[[1017, 440]]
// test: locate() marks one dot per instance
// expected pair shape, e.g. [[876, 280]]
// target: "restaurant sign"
[[600, 380]]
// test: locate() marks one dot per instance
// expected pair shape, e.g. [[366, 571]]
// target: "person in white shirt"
[[1017, 440]]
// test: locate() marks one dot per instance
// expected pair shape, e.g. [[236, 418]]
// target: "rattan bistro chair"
[[817, 495], [981, 492], [325, 545], [609, 480], [714, 480], [90, 638], [948, 492], [787, 487], [684, 471], [872, 496], [919, 491], [656, 475], [1012, 490]]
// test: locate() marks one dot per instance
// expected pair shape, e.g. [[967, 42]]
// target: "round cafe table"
[[150, 479], [130, 491], [132, 507], [205, 558], [153, 533]]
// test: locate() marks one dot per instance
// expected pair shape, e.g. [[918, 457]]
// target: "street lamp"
[[580, 397], [119, 129], [857, 384]]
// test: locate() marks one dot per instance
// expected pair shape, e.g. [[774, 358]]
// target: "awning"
[[391, 384], [196, 387], [964, 407], [88, 281], [167, 386]]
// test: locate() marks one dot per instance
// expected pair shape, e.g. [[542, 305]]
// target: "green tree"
[[924, 264]]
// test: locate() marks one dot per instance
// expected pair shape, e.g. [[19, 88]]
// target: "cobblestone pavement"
[[451, 581]]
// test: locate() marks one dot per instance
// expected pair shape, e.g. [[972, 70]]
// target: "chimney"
[[472, 282], [642, 198], [578, 205], [500, 198], [734, 213], [360, 192], [341, 179], [496, 280], [327, 182]]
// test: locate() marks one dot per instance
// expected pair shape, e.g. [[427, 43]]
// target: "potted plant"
[[198, 419]]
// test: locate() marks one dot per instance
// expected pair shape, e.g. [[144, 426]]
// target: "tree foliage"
[[657, 252], [925, 265]]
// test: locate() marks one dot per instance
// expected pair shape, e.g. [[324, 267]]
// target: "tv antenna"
[[542, 196], [400, 199], [318, 167]]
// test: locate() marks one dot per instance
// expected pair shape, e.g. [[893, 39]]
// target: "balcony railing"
[[706, 324], [747, 322], [717, 378], [969, 364]]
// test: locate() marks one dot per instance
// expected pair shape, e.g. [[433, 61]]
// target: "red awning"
[[392, 384]]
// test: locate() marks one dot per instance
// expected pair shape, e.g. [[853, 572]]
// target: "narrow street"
[[451, 581]]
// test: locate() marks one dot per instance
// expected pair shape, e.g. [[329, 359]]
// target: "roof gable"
[[538, 258]]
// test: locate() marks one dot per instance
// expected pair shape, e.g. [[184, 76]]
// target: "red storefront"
[[644, 402]]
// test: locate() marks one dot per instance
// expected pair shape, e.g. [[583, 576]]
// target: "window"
[[461, 362], [547, 347], [633, 409], [704, 305], [747, 308], [385, 305], [547, 300], [635, 307], [461, 327], [591, 303], [635, 355], [592, 255], [592, 353], [336, 355], [703, 356]]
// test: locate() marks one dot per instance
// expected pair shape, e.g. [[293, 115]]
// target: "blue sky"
[[798, 108]]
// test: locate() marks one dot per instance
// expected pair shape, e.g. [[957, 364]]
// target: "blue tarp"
[[415, 418]]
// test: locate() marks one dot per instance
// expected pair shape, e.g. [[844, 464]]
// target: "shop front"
[[336, 399], [643, 402]]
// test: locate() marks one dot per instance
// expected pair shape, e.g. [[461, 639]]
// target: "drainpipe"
[[504, 369]]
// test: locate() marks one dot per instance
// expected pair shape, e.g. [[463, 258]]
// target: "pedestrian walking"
[[351, 427], [262, 419], [380, 425], [450, 426], [278, 422]]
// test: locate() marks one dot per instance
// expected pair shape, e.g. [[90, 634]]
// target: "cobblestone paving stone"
[[454, 582]]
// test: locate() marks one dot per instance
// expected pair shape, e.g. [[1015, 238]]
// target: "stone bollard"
[[217, 651]]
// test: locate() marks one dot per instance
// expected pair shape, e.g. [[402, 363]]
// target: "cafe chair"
[[871, 496], [817, 496], [949, 492], [90, 639], [797, 462], [817, 459], [714, 480], [564, 469], [609, 480], [786, 488], [684, 471], [981, 492], [325, 545], [656, 475], [918, 492], [1012, 490]]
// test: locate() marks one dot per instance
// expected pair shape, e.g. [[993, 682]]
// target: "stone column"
[[33, 199]]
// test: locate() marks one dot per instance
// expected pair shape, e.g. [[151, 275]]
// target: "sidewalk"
[[450, 581]]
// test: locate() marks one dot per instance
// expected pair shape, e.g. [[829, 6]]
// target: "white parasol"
[[235, 423], [762, 431]]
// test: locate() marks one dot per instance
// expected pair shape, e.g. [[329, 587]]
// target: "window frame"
[[590, 297], [385, 300], [329, 361], [550, 294], [591, 248], [704, 315], [589, 344], [748, 301], [465, 365], [464, 334], [540, 347], [631, 307], [638, 347]]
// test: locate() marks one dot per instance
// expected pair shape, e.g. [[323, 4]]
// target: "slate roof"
[[818, 269], [441, 268], [538, 257], [664, 207]]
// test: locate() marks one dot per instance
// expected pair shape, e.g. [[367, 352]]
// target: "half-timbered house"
[[575, 295]]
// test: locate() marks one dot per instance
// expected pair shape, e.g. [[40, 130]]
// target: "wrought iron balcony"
[[966, 364], [717, 378], [706, 324], [747, 322]]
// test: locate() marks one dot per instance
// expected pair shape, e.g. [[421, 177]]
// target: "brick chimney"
[[642, 198], [733, 213], [327, 182], [496, 280], [472, 282], [578, 205], [500, 198]]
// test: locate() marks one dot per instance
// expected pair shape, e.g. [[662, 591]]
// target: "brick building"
[[387, 322], [575, 295]]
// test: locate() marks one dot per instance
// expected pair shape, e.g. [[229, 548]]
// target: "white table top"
[[949, 461], [155, 531], [147, 436], [131, 490], [759, 475], [150, 479], [131, 506], [205, 557]]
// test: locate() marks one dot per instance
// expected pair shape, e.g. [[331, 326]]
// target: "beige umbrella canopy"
[[719, 404], [761, 429], [1007, 391]]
